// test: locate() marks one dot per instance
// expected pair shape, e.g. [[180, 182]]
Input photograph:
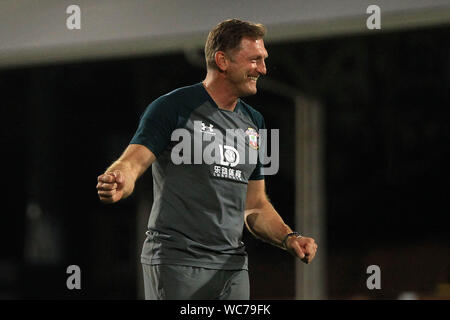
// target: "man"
[[193, 248]]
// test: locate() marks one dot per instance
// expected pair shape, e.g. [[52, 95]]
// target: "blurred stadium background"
[[363, 119]]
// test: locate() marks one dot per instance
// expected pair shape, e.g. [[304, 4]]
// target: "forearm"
[[265, 223], [129, 174]]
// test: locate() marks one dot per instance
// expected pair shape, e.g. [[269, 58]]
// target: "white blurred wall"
[[34, 31]]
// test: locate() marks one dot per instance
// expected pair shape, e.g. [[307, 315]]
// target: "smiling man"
[[194, 247]]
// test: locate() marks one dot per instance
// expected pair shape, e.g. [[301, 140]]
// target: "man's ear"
[[221, 60]]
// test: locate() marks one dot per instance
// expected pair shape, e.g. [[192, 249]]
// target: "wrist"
[[286, 237]]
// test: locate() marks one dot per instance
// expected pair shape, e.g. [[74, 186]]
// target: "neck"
[[220, 91]]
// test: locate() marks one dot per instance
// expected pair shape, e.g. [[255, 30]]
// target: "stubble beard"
[[244, 86]]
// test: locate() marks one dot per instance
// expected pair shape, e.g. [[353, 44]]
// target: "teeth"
[[253, 78]]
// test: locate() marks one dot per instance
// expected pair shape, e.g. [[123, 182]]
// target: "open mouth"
[[253, 78]]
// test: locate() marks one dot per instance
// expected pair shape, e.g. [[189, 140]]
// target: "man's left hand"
[[302, 247]]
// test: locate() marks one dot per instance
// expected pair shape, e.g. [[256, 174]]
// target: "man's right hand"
[[110, 186]]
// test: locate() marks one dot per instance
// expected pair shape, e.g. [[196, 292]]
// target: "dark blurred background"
[[385, 97]]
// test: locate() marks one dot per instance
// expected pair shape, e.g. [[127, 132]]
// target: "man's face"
[[246, 65]]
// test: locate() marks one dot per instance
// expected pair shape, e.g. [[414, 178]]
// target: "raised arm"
[[264, 222], [119, 179]]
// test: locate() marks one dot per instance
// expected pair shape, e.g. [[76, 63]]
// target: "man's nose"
[[262, 68]]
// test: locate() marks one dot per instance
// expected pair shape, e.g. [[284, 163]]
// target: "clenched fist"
[[110, 186], [302, 247]]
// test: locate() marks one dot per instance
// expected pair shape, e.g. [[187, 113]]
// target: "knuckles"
[[107, 188], [102, 186]]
